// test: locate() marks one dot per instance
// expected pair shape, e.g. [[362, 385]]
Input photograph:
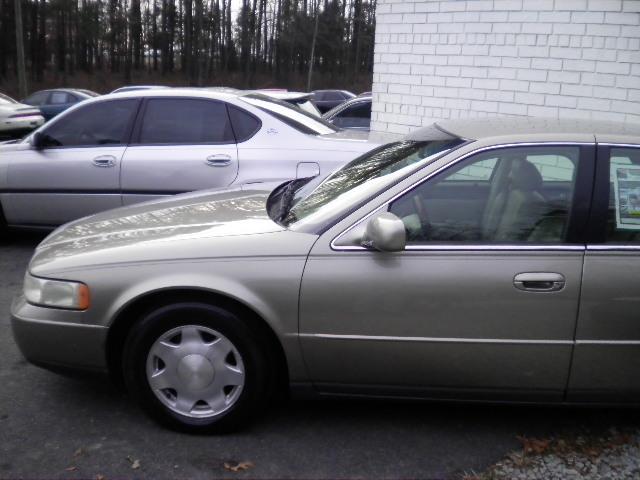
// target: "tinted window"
[[623, 220], [102, 123], [185, 121], [244, 124], [37, 98], [60, 98], [334, 96], [494, 197], [355, 116]]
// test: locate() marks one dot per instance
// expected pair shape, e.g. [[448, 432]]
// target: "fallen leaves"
[[135, 463], [237, 466], [534, 446]]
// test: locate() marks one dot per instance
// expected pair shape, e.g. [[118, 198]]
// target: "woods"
[[243, 43]]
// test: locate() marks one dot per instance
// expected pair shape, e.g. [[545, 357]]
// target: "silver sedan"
[[130, 147], [493, 261]]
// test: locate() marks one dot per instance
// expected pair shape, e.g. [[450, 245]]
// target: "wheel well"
[[133, 312]]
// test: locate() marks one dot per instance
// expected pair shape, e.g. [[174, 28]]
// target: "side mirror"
[[385, 232], [38, 140]]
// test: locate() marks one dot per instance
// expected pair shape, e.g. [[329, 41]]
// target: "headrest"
[[525, 176]]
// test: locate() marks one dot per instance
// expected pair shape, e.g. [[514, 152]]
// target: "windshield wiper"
[[287, 196]]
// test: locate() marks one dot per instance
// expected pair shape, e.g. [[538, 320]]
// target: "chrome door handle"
[[104, 161], [539, 282], [221, 160]]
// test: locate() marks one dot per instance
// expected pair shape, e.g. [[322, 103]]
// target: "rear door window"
[[185, 121], [623, 213]]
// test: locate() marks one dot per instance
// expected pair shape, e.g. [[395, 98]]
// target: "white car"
[[124, 148], [15, 116]]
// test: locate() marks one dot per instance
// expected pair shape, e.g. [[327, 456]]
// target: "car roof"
[[214, 93], [484, 128]]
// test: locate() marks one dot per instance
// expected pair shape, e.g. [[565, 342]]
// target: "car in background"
[[325, 100], [352, 114], [18, 117], [54, 102], [365, 94], [130, 147], [133, 88], [488, 260]]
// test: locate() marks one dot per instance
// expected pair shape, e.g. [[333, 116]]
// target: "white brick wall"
[[439, 59]]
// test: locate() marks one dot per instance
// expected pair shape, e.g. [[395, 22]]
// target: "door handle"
[[104, 161], [539, 282], [221, 160]]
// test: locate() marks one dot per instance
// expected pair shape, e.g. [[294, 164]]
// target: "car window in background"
[[333, 96], [290, 114], [60, 98], [354, 116], [184, 121], [623, 218], [38, 98], [102, 123], [244, 124]]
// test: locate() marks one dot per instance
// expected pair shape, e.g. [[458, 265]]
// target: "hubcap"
[[195, 371]]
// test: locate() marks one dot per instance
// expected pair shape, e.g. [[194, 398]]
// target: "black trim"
[[94, 192], [597, 226], [582, 195]]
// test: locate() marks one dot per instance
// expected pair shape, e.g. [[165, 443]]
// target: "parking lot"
[[57, 427]]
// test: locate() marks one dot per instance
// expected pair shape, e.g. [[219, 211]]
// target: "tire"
[[197, 368]]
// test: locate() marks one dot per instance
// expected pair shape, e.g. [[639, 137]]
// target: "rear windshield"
[[291, 115]]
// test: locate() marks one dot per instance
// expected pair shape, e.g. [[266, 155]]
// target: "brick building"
[[475, 58]]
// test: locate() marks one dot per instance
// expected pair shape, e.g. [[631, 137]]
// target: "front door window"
[[510, 195]]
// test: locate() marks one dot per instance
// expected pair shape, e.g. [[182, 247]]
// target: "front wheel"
[[197, 368]]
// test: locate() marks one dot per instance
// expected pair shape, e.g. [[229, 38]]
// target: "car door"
[[479, 304], [77, 172], [58, 102], [180, 144], [607, 353]]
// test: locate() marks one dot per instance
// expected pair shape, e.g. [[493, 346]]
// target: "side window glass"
[[333, 96], [185, 121], [37, 98], [59, 98], [244, 124], [101, 123], [355, 116], [623, 218], [499, 196]]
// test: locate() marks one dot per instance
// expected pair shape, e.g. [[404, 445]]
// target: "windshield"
[[291, 115], [364, 176], [4, 99]]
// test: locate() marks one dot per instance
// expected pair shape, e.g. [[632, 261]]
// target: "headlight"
[[56, 293]]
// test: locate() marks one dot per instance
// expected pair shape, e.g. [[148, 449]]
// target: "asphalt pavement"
[[53, 426]]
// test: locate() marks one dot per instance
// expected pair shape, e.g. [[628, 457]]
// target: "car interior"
[[505, 196]]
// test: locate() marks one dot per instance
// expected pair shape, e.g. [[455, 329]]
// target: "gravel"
[[614, 455]]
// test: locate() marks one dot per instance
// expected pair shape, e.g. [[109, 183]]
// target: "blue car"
[[53, 102]]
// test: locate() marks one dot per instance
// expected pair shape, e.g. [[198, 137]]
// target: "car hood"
[[176, 227]]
